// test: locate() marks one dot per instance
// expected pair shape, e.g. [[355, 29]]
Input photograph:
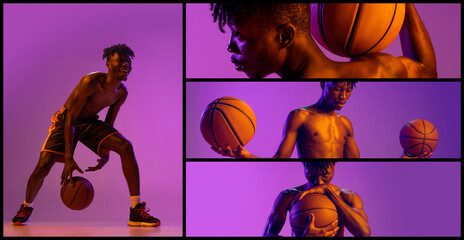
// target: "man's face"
[[119, 65], [254, 51], [337, 93], [318, 177]]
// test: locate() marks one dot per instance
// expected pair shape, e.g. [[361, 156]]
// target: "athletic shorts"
[[91, 132]]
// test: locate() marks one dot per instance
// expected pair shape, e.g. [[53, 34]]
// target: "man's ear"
[[107, 63], [286, 34]]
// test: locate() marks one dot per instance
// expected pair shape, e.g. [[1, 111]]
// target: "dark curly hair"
[[352, 83], [273, 14], [323, 166], [121, 49]]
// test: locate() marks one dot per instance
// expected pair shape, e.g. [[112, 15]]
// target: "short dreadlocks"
[[121, 49], [274, 14], [323, 166]]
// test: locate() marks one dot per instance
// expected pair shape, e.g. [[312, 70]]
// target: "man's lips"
[[238, 65]]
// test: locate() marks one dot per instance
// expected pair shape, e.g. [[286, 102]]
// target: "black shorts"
[[91, 132]]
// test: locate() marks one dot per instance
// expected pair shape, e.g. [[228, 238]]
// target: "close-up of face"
[[317, 176], [336, 93], [120, 65], [254, 51]]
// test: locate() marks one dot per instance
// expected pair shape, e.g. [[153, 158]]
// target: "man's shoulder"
[[95, 75]]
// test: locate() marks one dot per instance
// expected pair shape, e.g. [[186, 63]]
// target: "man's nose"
[[232, 47]]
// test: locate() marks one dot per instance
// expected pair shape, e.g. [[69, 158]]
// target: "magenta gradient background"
[[47, 49], [207, 56], [400, 198], [377, 111]]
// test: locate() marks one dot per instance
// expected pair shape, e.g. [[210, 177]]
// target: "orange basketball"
[[353, 29], [320, 205], [228, 121], [79, 196], [418, 136]]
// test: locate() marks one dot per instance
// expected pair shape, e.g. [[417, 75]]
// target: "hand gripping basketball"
[[327, 231], [69, 167]]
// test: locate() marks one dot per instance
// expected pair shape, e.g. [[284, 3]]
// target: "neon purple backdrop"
[[47, 49], [377, 111], [207, 55], [400, 198]]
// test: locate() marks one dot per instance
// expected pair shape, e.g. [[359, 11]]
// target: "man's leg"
[[46, 162], [123, 147], [139, 213]]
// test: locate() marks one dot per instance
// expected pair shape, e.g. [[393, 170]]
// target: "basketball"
[[79, 196], [354, 29], [228, 121], [320, 205], [418, 136]]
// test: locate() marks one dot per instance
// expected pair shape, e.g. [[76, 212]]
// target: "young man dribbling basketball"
[[317, 130], [78, 121], [349, 205], [275, 38]]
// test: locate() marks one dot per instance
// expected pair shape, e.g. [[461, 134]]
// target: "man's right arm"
[[74, 106], [419, 56], [276, 219]]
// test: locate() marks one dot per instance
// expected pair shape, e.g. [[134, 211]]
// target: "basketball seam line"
[[429, 139], [211, 124], [254, 128], [385, 33], [350, 37], [230, 125], [74, 198], [321, 27], [309, 209]]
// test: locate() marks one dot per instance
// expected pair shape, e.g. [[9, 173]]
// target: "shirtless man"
[[275, 38], [349, 205], [317, 130], [78, 121]]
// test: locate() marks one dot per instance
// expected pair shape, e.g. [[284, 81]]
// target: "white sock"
[[27, 204], [135, 200]]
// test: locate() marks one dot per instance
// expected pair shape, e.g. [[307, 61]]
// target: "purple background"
[[47, 49], [376, 110], [400, 198], [207, 55]]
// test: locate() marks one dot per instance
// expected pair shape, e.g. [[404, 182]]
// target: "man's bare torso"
[[321, 135], [102, 97]]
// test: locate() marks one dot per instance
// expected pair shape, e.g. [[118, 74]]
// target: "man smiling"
[[78, 121]]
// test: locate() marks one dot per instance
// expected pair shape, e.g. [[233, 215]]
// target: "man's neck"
[[306, 60]]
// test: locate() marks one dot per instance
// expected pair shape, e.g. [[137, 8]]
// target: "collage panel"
[[213, 54], [116, 49], [242, 199], [377, 111]]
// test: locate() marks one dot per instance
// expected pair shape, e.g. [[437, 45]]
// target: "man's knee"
[[46, 162], [126, 147]]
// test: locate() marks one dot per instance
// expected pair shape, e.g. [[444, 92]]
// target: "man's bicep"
[[290, 134]]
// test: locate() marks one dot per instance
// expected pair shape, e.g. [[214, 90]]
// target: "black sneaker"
[[139, 217], [22, 216]]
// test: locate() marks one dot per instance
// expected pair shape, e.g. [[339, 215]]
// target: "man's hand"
[[101, 162], [327, 231], [69, 167], [319, 189], [423, 155], [241, 152]]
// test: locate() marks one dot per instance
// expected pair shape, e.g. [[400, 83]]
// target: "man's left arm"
[[350, 149], [350, 208], [110, 118]]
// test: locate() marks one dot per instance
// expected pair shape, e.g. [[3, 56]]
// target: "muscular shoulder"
[[347, 123], [379, 65], [92, 79], [351, 198]]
